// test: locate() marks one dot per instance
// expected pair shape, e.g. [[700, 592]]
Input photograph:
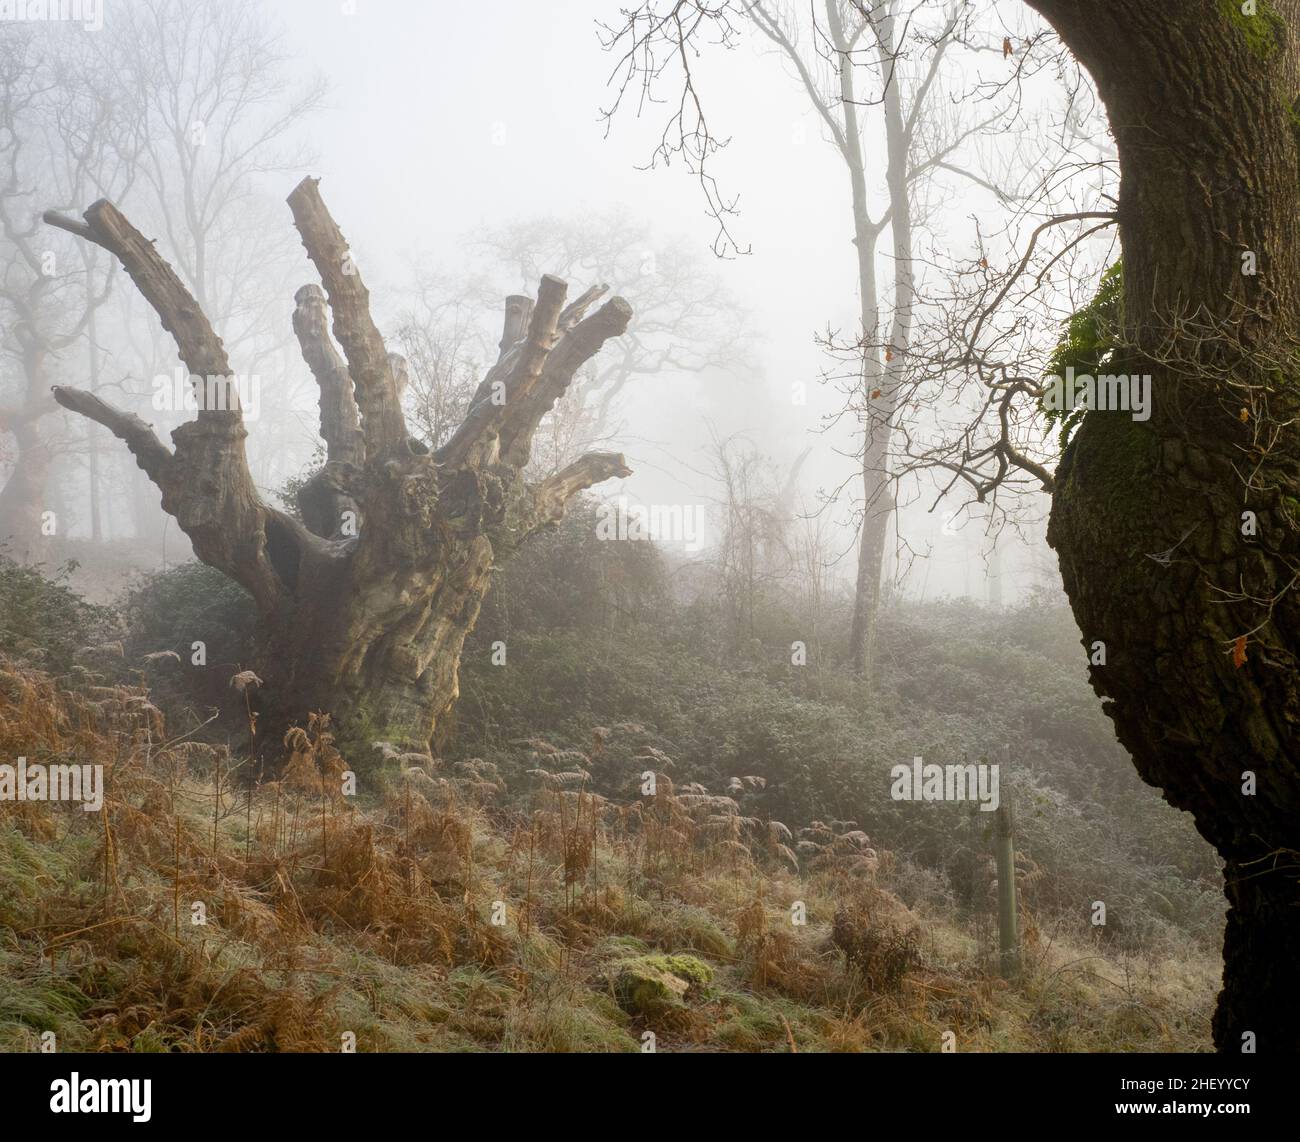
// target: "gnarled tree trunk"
[[366, 605], [1196, 603]]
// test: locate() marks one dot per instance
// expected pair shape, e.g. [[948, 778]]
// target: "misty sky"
[[444, 119]]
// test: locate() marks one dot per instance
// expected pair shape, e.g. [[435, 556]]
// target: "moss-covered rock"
[[653, 985]]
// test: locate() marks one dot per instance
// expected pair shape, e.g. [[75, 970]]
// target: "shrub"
[[171, 610], [43, 622]]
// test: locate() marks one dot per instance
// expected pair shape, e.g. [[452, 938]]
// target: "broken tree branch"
[[573, 350], [200, 347], [382, 421], [339, 418], [153, 456], [551, 496]]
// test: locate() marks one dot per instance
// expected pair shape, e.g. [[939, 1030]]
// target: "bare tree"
[[868, 71], [754, 549], [445, 346], [366, 615], [813, 559], [59, 129], [210, 81]]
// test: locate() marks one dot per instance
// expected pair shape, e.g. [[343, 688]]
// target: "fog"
[[440, 124], [540, 512], [507, 123]]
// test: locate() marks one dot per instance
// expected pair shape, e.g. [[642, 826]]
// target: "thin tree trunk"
[[881, 371], [23, 498], [92, 434]]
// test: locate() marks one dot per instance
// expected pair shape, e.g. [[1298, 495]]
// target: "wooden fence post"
[[1005, 852]]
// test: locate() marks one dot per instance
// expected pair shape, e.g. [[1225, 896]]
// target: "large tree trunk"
[[378, 654], [366, 603], [1198, 612], [22, 500]]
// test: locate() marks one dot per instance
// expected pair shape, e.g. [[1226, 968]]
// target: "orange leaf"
[[1239, 652], [1244, 415], [875, 393], [984, 263]]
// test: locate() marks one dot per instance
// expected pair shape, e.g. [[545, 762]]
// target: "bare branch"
[[153, 456], [339, 426], [382, 421], [200, 347], [552, 495]]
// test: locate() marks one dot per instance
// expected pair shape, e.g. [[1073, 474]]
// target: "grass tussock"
[[204, 909]]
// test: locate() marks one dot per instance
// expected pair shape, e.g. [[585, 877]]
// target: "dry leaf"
[[245, 679], [875, 393], [1244, 414], [1239, 651], [1006, 47]]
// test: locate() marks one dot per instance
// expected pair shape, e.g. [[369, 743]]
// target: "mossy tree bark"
[[365, 605], [1197, 604]]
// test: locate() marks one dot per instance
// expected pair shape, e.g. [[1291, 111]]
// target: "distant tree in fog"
[[688, 321], [62, 139], [874, 76]]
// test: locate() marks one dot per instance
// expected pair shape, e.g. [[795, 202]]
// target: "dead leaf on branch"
[[1239, 651]]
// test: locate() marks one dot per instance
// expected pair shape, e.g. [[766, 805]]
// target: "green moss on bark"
[[1264, 32], [1117, 458]]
